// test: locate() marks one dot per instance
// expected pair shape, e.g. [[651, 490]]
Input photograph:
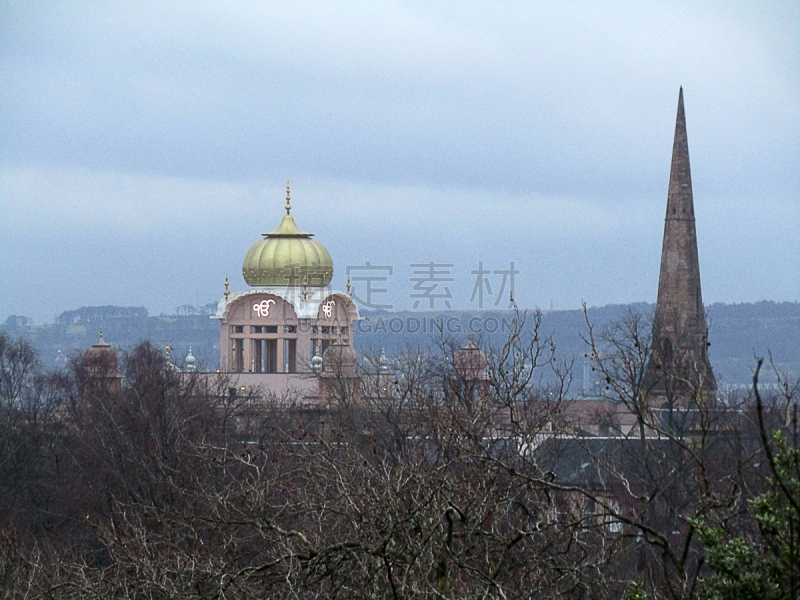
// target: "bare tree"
[[669, 466], [454, 474]]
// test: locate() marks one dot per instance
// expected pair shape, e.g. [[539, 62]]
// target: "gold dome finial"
[[288, 200], [227, 292]]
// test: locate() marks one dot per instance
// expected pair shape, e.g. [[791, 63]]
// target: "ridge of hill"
[[738, 332]]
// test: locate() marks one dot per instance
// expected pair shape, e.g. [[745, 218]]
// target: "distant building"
[[469, 381], [101, 369], [271, 333], [679, 369]]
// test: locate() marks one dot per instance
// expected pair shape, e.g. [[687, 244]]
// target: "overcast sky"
[[146, 146]]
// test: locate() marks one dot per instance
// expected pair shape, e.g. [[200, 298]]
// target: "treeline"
[[424, 480], [91, 314]]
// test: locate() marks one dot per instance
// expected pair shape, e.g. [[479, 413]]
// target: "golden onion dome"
[[288, 256]]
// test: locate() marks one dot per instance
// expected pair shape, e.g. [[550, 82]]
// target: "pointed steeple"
[[679, 364], [679, 280], [680, 203]]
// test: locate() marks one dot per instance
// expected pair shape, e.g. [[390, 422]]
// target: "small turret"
[[101, 367], [339, 358], [470, 382], [383, 363], [470, 363], [190, 361]]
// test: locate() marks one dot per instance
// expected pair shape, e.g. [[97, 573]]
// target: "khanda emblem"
[[327, 308], [262, 308]]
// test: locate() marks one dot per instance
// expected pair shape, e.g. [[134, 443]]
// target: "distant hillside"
[[123, 327], [738, 332]]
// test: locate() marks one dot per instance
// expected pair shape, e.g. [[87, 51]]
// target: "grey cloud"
[[497, 102]]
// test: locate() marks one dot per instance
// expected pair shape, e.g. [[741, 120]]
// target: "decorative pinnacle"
[[348, 286], [288, 199], [227, 292]]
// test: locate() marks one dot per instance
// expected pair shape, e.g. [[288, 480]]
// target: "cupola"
[[469, 362], [340, 358], [288, 257]]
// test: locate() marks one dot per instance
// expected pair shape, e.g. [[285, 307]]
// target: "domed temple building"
[[275, 334]]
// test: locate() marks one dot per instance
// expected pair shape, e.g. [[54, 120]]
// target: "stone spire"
[[679, 369]]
